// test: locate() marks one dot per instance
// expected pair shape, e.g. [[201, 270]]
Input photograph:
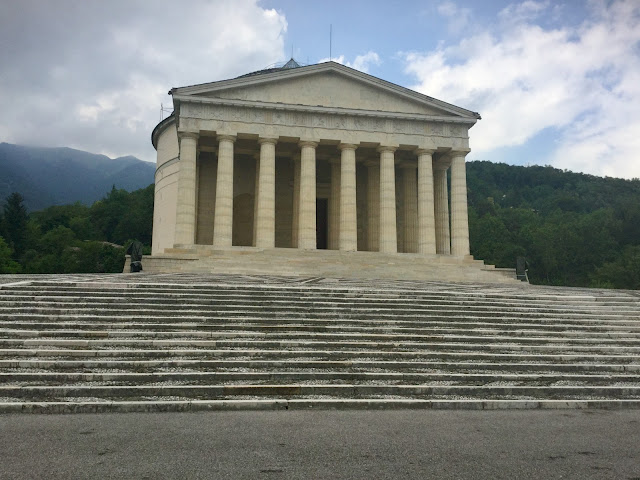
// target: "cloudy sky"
[[556, 82]]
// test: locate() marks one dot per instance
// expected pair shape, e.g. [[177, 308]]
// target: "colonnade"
[[429, 227]]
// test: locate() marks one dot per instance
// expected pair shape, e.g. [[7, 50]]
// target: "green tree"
[[622, 272], [7, 264], [54, 253], [75, 216], [15, 223], [99, 257], [122, 215]]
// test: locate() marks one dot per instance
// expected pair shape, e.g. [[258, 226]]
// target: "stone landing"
[[325, 263]]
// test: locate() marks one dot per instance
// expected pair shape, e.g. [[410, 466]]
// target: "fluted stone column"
[[307, 202], [223, 213], [410, 201], [295, 219], [443, 245], [426, 212], [348, 214], [334, 206], [186, 202], [388, 236], [459, 215], [266, 232], [373, 205], [256, 196]]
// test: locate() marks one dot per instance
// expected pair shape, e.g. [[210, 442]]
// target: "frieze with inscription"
[[322, 120]]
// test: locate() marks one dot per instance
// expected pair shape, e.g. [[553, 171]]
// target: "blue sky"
[[556, 82]]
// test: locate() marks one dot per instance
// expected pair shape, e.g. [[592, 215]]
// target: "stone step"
[[199, 328], [453, 344], [251, 365], [390, 321], [10, 305], [308, 313], [335, 390], [337, 296], [199, 281], [337, 288], [18, 378], [468, 355], [159, 405], [299, 302], [569, 337]]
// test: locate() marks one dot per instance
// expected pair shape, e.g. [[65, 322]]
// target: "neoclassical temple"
[[314, 159]]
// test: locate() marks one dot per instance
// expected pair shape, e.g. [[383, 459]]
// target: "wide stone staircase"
[[186, 342]]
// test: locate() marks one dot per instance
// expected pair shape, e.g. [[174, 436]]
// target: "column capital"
[[459, 152], [386, 148], [267, 140], [307, 143], [193, 135], [347, 146], [229, 138], [425, 151], [441, 164]]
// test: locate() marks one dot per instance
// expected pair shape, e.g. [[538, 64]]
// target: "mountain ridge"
[[47, 176]]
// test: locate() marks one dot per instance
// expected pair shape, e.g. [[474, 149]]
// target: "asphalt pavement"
[[398, 444]]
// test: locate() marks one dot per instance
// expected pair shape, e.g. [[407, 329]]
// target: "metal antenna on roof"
[[330, 35], [163, 111], [291, 49]]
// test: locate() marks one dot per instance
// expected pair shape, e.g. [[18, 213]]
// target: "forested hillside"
[[574, 229]]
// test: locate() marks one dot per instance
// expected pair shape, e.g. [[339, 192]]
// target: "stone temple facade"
[[306, 161]]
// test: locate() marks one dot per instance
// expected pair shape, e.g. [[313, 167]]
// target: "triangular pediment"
[[328, 85]]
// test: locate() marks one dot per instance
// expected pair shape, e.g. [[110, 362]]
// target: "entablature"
[[190, 103]]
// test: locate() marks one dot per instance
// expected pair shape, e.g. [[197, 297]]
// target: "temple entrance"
[[322, 215]]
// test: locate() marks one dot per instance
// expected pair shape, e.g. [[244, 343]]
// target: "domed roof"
[[288, 65]]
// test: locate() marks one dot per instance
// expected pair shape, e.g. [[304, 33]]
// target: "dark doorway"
[[322, 215]]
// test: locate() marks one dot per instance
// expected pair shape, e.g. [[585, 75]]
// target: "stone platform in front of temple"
[[325, 263]]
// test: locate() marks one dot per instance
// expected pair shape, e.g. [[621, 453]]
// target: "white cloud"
[[583, 81], [94, 77], [361, 62], [525, 11], [458, 17]]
